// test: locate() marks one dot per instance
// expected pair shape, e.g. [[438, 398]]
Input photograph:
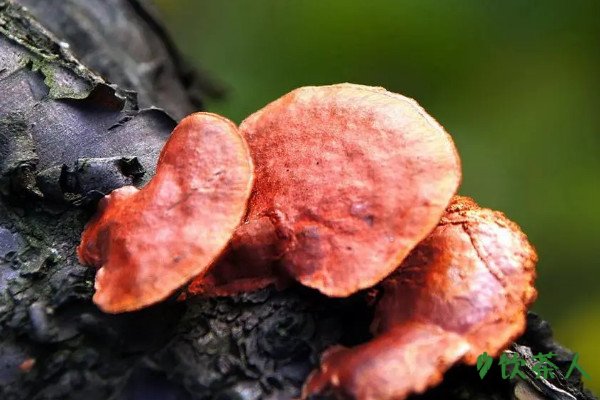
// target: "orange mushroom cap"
[[463, 291], [149, 242], [352, 178]]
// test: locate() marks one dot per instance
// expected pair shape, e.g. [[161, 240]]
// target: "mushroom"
[[463, 291], [349, 178], [147, 243]]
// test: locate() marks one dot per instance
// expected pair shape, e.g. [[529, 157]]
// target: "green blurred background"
[[517, 84]]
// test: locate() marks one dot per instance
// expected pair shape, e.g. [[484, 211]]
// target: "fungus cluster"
[[462, 291], [353, 186]]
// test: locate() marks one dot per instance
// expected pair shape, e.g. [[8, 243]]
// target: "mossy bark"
[[67, 136]]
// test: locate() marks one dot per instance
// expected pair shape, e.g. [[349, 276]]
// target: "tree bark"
[[67, 137], [123, 41]]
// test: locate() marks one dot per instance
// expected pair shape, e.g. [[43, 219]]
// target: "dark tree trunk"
[[66, 138], [123, 42]]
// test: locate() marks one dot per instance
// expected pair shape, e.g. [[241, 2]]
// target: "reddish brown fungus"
[[149, 242], [352, 178], [248, 264], [463, 291]]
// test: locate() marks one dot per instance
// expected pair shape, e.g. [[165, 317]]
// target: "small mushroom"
[[463, 291], [149, 242], [351, 177]]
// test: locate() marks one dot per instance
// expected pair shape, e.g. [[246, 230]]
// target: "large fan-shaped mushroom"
[[349, 178]]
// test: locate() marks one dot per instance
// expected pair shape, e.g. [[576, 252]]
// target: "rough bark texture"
[[123, 42], [67, 137]]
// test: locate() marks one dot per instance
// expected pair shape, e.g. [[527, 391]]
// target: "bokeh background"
[[517, 84]]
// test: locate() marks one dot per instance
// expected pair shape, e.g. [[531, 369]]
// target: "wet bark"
[[87, 98]]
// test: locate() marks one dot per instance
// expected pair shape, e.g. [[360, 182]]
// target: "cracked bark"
[[67, 137]]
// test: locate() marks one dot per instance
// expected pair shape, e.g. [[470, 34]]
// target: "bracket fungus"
[[149, 242], [351, 178], [355, 186], [463, 291]]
